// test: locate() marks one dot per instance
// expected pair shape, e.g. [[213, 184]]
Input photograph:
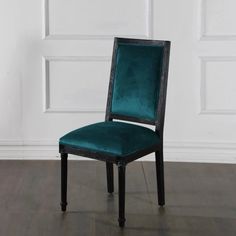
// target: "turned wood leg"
[[121, 178], [110, 178], [160, 177], [64, 157]]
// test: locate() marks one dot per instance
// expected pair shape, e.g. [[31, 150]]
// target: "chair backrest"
[[138, 81]]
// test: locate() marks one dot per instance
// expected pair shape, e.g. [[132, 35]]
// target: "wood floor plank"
[[200, 200], [202, 194]]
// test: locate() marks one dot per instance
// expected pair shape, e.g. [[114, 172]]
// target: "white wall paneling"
[[174, 151], [218, 87], [55, 66], [75, 84], [218, 20], [97, 19]]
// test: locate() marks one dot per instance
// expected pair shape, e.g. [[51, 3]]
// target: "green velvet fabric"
[[110, 137], [137, 80]]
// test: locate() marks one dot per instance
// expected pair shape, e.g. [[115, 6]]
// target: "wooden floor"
[[200, 200]]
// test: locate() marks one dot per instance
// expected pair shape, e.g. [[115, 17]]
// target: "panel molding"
[[48, 36], [184, 151], [47, 108], [203, 90], [204, 36]]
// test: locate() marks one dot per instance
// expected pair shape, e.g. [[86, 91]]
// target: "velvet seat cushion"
[[137, 80], [110, 137]]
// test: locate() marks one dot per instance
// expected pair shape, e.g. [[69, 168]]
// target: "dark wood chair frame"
[[122, 162]]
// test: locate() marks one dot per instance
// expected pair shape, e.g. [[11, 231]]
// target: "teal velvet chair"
[[137, 93]]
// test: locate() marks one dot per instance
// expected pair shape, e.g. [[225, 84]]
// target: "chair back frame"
[[161, 104]]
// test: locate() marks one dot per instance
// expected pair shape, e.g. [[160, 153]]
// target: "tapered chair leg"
[[160, 177], [64, 157], [121, 179], [110, 178]]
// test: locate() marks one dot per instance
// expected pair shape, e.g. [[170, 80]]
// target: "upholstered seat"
[[113, 138]]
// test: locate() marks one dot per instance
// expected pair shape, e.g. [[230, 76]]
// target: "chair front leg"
[[64, 157], [110, 178], [160, 177], [121, 179]]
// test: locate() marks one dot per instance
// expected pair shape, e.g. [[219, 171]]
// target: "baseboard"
[[203, 152]]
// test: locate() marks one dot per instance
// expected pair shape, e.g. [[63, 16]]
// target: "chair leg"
[[110, 178], [121, 178], [160, 177], [64, 157]]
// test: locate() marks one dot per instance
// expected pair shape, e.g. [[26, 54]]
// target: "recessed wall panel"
[[218, 18], [219, 85], [76, 84], [97, 18]]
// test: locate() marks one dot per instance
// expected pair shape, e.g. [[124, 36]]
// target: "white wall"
[[55, 62]]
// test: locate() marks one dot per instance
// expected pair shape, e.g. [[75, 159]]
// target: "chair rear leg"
[[121, 178], [110, 178], [160, 177], [64, 157]]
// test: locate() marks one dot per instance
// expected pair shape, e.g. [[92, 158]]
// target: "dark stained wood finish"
[[200, 200], [64, 158], [121, 186], [110, 177], [160, 177]]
